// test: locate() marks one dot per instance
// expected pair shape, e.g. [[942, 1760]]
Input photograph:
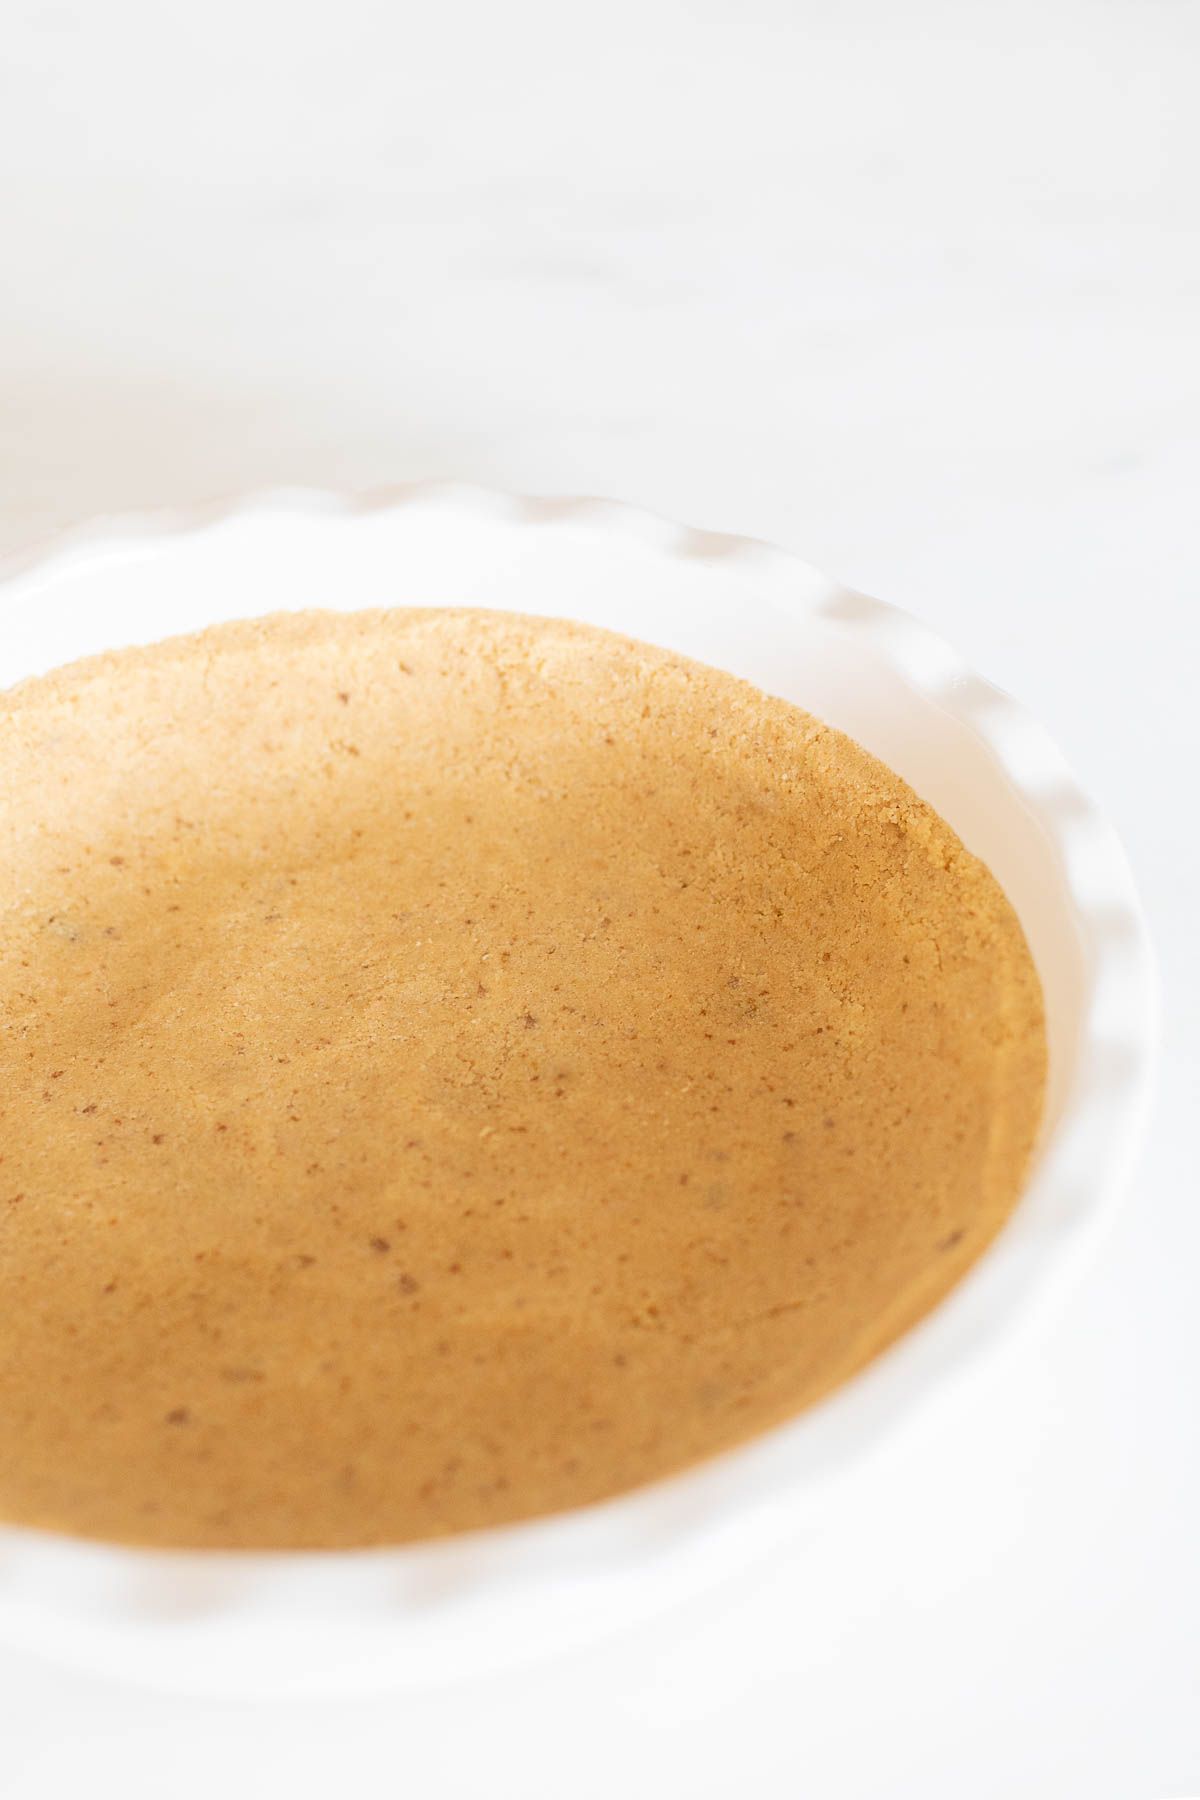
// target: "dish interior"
[[463, 1066]]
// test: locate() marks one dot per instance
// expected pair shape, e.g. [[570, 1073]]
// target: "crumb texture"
[[456, 1066]]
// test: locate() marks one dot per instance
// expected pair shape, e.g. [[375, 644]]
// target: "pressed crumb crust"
[[456, 1066]]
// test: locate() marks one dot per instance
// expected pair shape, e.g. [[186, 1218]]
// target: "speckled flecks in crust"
[[456, 1066]]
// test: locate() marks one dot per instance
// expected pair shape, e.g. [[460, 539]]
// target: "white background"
[[913, 288]]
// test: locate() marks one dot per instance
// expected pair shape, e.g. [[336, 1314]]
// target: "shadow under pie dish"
[[460, 1066]]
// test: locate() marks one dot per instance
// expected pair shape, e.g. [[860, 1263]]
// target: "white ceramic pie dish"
[[344, 1622]]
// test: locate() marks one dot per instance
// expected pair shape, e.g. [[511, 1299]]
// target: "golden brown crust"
[[458, 1066]]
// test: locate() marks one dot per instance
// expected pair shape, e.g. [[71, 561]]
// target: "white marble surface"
[[914, 289]]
